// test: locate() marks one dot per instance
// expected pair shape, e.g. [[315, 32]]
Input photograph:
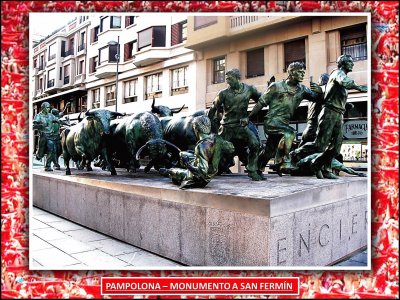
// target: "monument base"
[[283, 221]]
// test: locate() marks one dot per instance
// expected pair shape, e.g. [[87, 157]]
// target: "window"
[[179, 81], [93, 64], [153, 86], [110, 95], [81, 104], [109, 23], [104, 25], [129, 50], [51, 75], [108, 54], [60, 74], [130, 91], [219, 70], [354, 42], [52, 51], [83, 19], [81, 67], [94, 34], [129, 20], [178, 33], [82, 42], [115, 22], [96, 98], [153, 36], [255, 63], [201, 21], [66, 74], [295, 51]]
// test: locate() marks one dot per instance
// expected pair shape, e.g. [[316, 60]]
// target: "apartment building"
[[262, 46], [59, 68], [79, 64]]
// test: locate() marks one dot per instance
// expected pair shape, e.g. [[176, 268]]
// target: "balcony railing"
[[81, 47], [50, 83], [68, 53], [66, 79], [52, 57]]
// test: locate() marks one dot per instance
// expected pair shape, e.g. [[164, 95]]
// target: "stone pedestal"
[[283, 221]]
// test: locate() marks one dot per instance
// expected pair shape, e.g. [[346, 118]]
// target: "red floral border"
[[382, 282]]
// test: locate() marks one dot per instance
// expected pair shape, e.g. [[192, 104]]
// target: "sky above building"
[[43, 24]]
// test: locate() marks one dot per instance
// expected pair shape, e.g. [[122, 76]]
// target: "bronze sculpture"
[[86, 140], [45, 123], [202, 165], [314, 108], [233, 102], [329, 137], [304, 167], [282, 98]]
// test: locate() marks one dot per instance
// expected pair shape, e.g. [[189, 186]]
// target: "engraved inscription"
[[281, 248], [306, 244], [323, 242]]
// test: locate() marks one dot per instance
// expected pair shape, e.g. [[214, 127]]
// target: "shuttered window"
[[178, 33], [93, 64], [94, 34], [129, 20], [255, 63], [295, 52], [129, 50], [354, 42]]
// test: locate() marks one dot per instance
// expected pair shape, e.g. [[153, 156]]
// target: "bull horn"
[[172, 145], [140, 150], [88, 113], [177, 110], [79, 117], [154, 102]]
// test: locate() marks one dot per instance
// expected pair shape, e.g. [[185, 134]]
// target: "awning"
[[59, 94]]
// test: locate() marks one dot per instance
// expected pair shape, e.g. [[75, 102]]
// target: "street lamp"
[[113, 43]]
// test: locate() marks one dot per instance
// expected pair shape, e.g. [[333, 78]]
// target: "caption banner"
[[200, 285]]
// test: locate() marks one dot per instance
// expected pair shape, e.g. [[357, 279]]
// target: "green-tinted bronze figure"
[[282, 98], [314, 108], [330, 121], [304, 167], [202, 165], [233, 103], [45, 123]]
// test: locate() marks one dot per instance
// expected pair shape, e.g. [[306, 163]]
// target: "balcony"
[[81, 49], [68, 53], [106, 69], [38, 92], [236, 26], [151, 56], [41, 67], [80, 79]]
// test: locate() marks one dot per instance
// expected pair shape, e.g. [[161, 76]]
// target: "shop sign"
[[356, 129]]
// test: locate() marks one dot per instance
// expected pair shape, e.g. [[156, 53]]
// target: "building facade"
[[181, 60]]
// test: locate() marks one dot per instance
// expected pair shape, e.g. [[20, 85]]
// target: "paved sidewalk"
[[57, 243]]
